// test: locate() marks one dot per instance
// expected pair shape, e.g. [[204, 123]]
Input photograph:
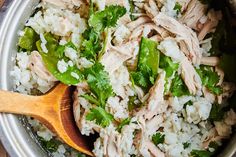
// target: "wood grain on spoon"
[[53, 109]]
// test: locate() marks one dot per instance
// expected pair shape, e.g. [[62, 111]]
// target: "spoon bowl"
[[53, 109]]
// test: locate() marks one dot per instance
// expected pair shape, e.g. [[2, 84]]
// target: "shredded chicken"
[[190, 77], [36, 65], [195, 11], [211, 61], [183, 33], [155, 102], [146, 29], [209, 26], [141, 20]]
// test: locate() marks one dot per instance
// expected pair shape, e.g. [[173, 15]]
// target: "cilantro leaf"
[[91, 45], [51, 145], [123, 123], [91, 99], [205, 153], [168, 65], [56, 53], [216, 113], [99, 83], [100, 116], [148, 63], [210, 79], [158, 138], [178, 87], [177, 7], [28, 40], [98, 22], [141, 78], [214, 145], [133, 103], [201, 153], [106, 18], [132, 7], [186, 145]]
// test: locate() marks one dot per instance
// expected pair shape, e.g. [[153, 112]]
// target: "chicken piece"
[[142, 20], [230, 118], [156, 38], [112, 146], [192, 50], [195, 11], [154, 150], [112, 60], [146, 29], [115, 2], [223, 129], [65, 3], [221, 74], [154, 124], [36, 65], [211, 61], [213, 19], [190, 76], [155, 102], [148, 149], [117, 55], [228, 89], [212, 137]]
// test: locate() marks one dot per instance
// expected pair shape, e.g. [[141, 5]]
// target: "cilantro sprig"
[[99, 83], [100, 116], [98, 23], [178, 87], [210, 79], [158, 138]]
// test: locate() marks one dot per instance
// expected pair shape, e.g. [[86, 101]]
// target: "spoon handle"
[[20, 104]]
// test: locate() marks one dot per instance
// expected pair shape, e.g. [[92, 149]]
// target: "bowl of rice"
[[153, 78]]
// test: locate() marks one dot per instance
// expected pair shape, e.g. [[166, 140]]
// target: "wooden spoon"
[[53, 109]]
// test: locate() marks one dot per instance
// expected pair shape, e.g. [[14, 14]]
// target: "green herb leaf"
[[178, 87], [214, 145], [168, 65], [91, 45], [201, 153], [132, 7], [106, 18], [91, 99], [100, 116], [158, 138], [56, 53], [210, 79], [51, 145], [28, 40], [123, 123], [186, 145], [216, 113], [99, 83], [134, 103], [177, 7], [148, 63]]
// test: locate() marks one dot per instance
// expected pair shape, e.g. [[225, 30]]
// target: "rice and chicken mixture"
[[152, 79]]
